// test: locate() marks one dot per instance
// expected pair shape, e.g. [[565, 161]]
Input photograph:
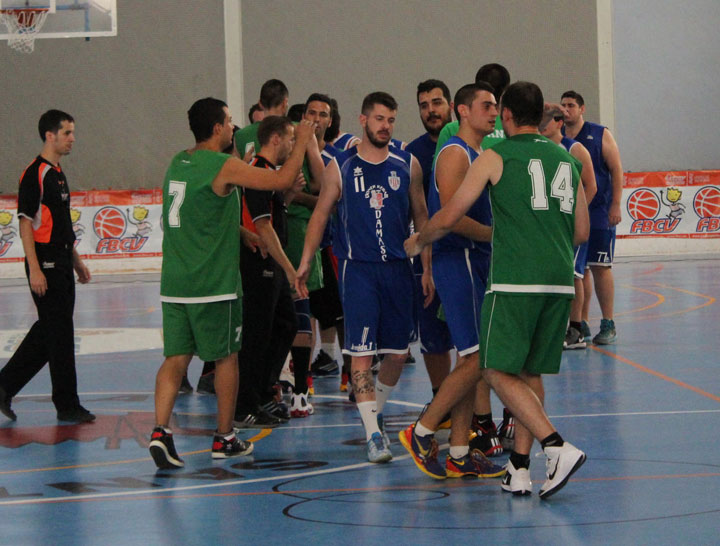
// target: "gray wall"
[[348, 48], [667, 84], [129, 94]]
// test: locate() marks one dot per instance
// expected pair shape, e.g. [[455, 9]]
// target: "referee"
[[50, 258]]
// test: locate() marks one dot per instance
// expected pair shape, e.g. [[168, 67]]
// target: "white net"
[[23, 26]]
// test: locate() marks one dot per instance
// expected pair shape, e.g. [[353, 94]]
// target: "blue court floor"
[[646, 411]]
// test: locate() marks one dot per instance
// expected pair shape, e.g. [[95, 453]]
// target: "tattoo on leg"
[[363, 382]]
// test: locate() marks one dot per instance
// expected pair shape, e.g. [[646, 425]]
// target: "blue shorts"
[[601, 247], [434, 333], [581, 253], [302, 312], [378, 301], [460, 280]]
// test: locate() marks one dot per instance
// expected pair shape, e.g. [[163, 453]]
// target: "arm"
[[450, 170], [329, 194], [269, 237], [316, 166], [297, 187], [253, 241], [582, 219], [80, 268], [611, 155], [305, 199], [38, 282], [420, 218], [579, 152], [486, 168]]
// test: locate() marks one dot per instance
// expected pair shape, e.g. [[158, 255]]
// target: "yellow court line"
[[656, 374], [259, 436]]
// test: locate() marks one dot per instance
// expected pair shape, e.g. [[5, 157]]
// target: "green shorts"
[[210, 330], [523, 333], [297, 227]]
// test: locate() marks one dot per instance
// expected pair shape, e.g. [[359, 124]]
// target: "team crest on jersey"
[[394, 181], [377, 196]]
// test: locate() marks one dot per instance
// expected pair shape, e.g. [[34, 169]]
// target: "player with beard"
[[375, 188]]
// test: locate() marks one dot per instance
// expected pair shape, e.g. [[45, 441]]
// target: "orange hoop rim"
[[21, 10]]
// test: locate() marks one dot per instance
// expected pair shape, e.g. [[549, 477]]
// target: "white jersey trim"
[[532, 288], [198, 299]]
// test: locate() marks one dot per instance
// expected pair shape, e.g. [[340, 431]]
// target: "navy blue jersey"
[[343, 141], [567, 142], [327, 154], [590, 136], [397, 144], [480, 209], [373, 212], [423, 148]]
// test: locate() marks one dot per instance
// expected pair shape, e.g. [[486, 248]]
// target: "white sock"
[[368, 414], [329, 348], [422, 431], [458, 452], [382, 393]]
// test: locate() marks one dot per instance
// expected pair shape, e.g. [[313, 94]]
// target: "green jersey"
[[201, 232], [452, 128], [246, 140], [533, 208]]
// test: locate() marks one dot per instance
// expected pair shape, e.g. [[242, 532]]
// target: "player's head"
[[574, 106], [51, 121], [256, 113], [57, 131], [378, 118], [522, 103], [278, 133], [475, 105], [209, 117], [433, 98], [496, 75], [318, 109], [552, 120], [333, 130], [274, 95], [295, 112]]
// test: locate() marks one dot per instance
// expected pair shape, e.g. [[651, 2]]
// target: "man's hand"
[[304, 132], [82, 271], [301, 278], [254, 242], [299, 183], [428, 287], [614, 215], [411, 245], [38, 282]]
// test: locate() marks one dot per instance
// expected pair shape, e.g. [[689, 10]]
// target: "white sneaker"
[[516, 480], [562, 462], [300, 407]]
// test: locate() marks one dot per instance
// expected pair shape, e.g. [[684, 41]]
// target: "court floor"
[[646, 411]]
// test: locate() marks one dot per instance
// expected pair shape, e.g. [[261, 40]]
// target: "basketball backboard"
[[70, 18]]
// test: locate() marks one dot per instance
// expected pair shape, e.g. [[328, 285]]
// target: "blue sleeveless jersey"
[[567, 143], [327, 154], [373, 212], [590, 136], [397, 144], [342, 141], [423, 148], [480, 210]]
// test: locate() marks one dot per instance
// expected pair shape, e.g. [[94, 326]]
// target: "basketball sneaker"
[[485, 438], [473, 464], [310, 385], [162, 449], [506, 432], [78, 414], [344, 379], [574, 339], [206, 384], [185, 386], [585, 330], [277, 409], [5, 408], [383, 433], [324, 365], [225, 446], [376, 450], [562, 462], [424, 451], [607, 333], [259, 419], [516, 480], [300, 407]]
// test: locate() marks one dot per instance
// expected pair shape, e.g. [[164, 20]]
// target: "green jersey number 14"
[[561, 186]]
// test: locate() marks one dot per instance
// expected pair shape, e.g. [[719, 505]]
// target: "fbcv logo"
[[110, 225], [644, 206], [707, 206]]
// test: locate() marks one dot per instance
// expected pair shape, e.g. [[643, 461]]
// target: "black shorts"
[[325, 303]]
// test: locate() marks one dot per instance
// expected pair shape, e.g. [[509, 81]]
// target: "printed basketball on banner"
[[109, 223], [643, 204], [707, 206]]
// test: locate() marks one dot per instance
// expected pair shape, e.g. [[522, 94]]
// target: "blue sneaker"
[[381, 426], [377, 452], [472, 464], [585, 330], [424, 451], [607, 333]]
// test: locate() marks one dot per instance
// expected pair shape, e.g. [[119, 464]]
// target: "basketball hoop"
[[23, 25]]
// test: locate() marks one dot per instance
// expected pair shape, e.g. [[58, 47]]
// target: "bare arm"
[[305, 199], [582, 219], [611, 155], [269, 237], [329, 194], [253, 241], [579, 152], [80, 268], [315, 165], [450, 169], [420, 218], [38, 282]]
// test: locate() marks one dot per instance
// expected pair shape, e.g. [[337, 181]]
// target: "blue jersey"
[[327, 154], [567, 143], [397, 144], [480, 209], [343, 141], [590, 136], [423, 148], [373, 212]]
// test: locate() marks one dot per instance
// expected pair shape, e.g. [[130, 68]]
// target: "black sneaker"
[[324, 365], [206, 384], [185, 386], [410, 359], [485, 438], [77, 414], [279, 410], [230, 446], [162, 449], [260, 419], [5, 408], [506, 432]]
